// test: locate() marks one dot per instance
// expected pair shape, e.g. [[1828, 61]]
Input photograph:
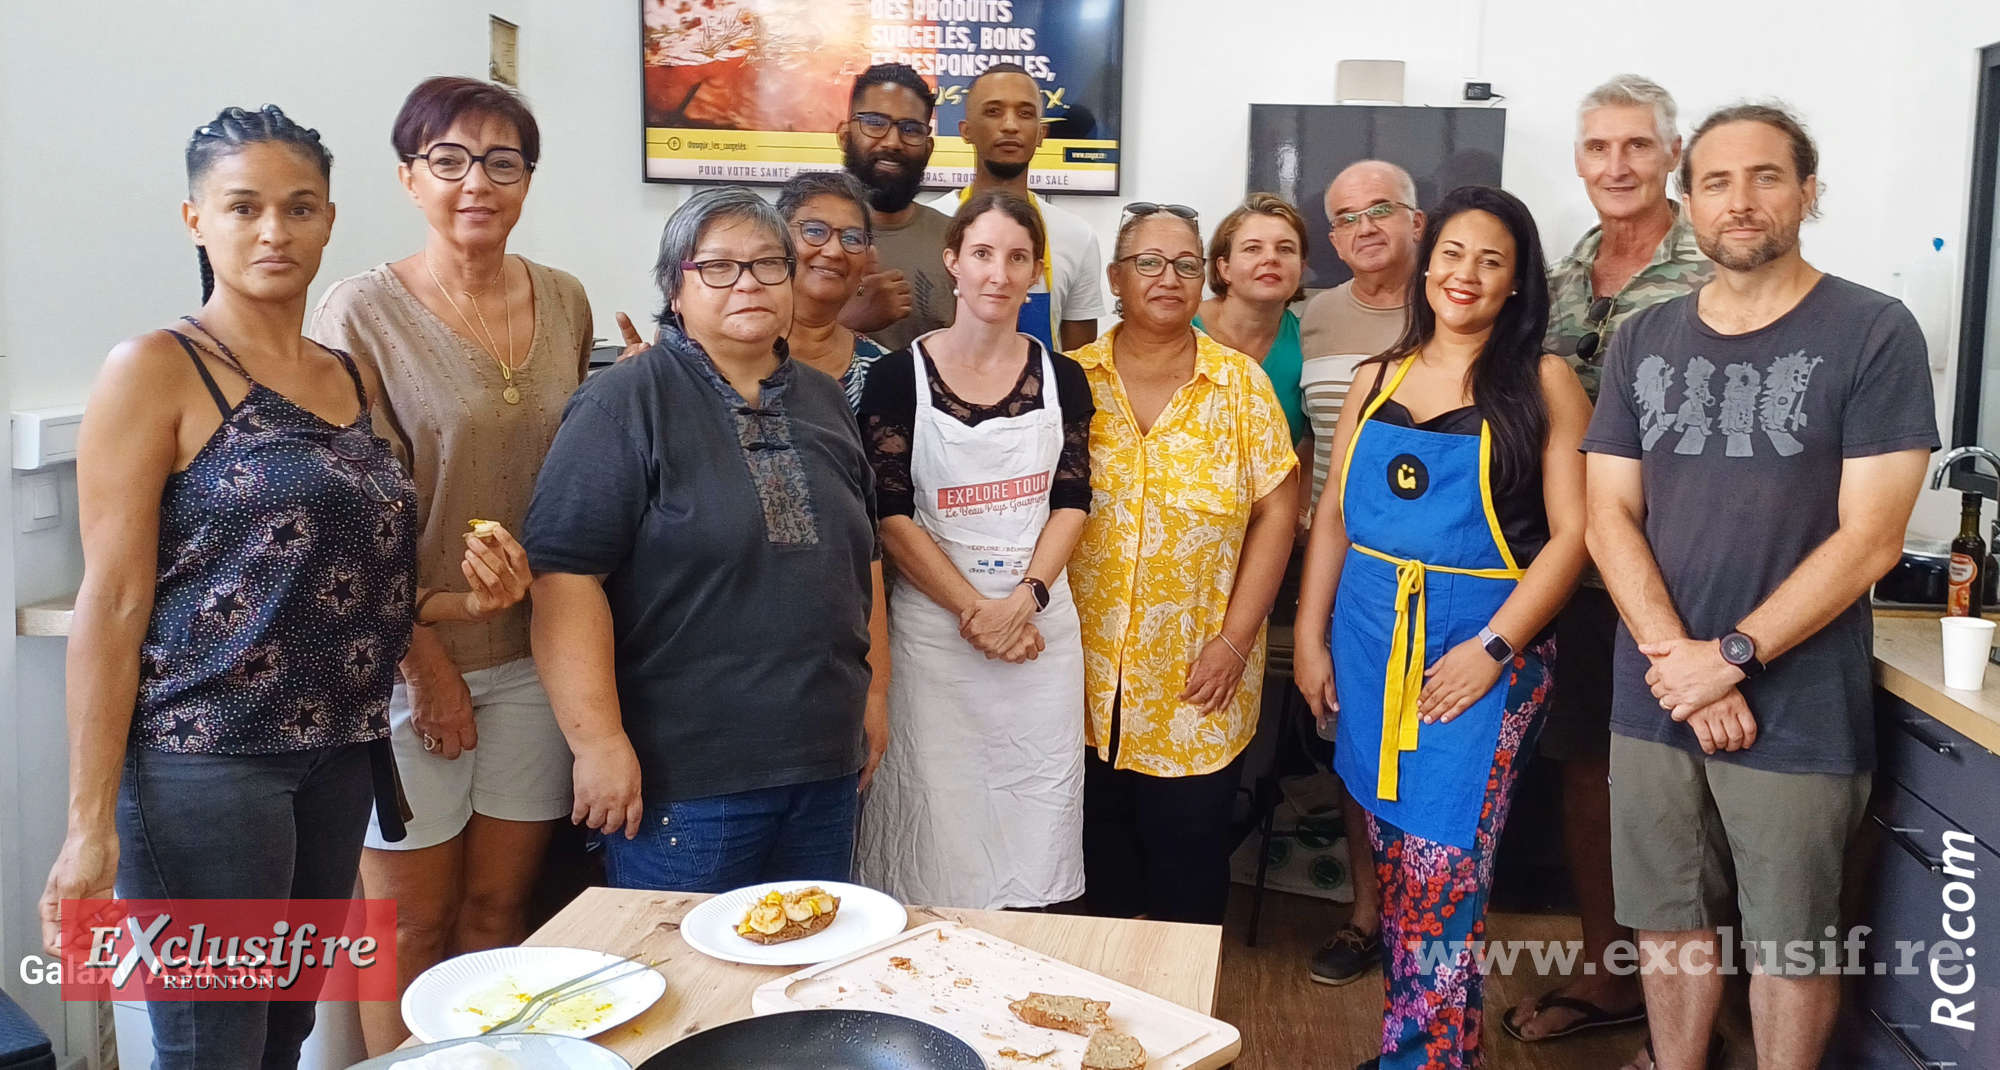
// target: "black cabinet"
[[1926, 853]]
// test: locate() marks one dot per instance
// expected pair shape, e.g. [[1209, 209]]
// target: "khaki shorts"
[[1682, 826]]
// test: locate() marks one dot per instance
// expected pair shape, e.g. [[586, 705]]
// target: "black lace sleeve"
[[888, 416], [1071, 487]]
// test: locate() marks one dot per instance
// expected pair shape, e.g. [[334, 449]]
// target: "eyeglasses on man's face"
[[816, 233], [451, 162], [876, 124], [722, 274], [1153, 265], [1376, 212]]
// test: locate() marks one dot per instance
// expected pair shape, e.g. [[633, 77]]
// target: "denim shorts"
[[720, 842]]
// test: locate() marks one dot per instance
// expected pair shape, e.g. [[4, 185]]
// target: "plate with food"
[[524, 1051], [468, 995], [792, 923]]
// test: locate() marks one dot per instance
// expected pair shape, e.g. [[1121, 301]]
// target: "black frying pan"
[[820, 1040]]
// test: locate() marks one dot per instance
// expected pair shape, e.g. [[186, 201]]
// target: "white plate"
[[462, 996], [530, 1051], [866, 917]]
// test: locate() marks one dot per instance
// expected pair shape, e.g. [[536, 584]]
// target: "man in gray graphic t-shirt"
[[1756, 451]]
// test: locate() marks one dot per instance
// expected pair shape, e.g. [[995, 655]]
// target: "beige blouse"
[[471, 454]]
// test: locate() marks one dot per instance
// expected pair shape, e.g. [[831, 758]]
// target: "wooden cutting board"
[[961, 980]]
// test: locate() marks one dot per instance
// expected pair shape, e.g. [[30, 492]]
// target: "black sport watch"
[[1040, 590], [1741, 651], [1497, 646]]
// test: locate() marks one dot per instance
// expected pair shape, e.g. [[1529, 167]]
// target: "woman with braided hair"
[[248, 589]]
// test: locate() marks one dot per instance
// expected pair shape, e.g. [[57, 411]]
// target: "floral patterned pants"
[[1434, 901]]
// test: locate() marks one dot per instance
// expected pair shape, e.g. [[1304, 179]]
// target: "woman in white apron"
[[979, 800]]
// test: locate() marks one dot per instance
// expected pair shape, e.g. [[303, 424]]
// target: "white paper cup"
[[1967, 641]]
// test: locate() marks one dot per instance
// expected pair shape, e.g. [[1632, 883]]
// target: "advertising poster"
[[750, 91]]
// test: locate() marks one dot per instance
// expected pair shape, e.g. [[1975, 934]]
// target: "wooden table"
[[1170, 960]]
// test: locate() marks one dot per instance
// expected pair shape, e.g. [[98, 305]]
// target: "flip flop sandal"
[[1594, 1017]]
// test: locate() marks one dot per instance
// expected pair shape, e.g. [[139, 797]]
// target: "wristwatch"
[[1741, 651], [1497, 646], [1040, 590]]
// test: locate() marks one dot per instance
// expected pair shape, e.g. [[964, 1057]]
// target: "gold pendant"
[[512, 395]]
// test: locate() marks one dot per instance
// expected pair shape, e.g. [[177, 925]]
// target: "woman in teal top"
[[1256, 264]]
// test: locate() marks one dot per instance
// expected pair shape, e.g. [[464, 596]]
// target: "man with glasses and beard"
[[1003, 121], [887, 144], [1756, 451]]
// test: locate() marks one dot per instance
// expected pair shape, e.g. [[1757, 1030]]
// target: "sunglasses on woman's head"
[[1139, 209]]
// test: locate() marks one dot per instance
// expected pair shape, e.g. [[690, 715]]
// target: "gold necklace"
[[512, 394]]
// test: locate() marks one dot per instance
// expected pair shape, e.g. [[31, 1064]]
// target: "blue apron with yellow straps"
[[1427, 567]]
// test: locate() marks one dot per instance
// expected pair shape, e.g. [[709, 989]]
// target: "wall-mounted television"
[[1297, 149], [749, 91]]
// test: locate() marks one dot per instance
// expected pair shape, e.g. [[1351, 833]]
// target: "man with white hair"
[[1642, 252], [1375, 223]]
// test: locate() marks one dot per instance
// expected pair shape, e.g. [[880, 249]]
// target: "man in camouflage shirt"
[[1641, 253]]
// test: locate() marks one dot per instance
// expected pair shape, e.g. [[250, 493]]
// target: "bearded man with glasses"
[[886, 144]]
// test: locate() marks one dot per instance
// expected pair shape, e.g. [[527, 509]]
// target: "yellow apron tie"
[[1403, 682]]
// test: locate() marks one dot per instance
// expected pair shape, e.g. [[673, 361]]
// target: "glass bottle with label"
[[1968, 564]]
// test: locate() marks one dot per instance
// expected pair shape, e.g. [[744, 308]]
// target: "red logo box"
[[228, 949]]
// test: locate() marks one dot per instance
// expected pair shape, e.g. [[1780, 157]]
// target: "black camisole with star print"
[[286, 574]]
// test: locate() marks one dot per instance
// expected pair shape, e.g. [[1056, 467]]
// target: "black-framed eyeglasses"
[[722, 274], [876, 124], [1153, 265], [451, 162], [1588, 347], [1377, 212], [816, 233], [356, 449], [1138, 209]]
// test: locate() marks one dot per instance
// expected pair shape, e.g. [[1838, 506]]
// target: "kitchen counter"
[[1909, 663], [1173, 961]]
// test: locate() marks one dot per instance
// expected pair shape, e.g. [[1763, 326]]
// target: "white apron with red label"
[[979, 800]]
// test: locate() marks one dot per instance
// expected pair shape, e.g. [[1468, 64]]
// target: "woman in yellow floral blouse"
[[1190, 523]]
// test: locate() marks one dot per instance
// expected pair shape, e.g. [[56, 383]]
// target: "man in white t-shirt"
[[1003, 121], [1372, 208]]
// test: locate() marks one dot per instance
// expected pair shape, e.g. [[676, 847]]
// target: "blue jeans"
[[720, 842], [239, 826]]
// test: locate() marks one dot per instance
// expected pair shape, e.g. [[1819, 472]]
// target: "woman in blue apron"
[[1430, 582]]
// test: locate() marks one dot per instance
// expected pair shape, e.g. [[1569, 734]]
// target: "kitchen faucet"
[[1960, 453]]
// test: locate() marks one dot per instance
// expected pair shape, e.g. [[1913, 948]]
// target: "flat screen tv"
[[1297, 149]]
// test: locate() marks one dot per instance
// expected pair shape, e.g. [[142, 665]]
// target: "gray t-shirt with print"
[[917, 250], [1741, 439]]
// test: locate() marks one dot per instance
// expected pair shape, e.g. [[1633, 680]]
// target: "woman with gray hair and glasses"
[[702, 537]]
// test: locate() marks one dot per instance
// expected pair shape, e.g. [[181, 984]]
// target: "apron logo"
[[1408, 478]]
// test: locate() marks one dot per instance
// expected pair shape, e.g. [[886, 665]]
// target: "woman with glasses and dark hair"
[[249, 570], [831, 224], [980, 440], [702, 537], [1432, 576], [1191, 519], [477, 351], [1256, 270]]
